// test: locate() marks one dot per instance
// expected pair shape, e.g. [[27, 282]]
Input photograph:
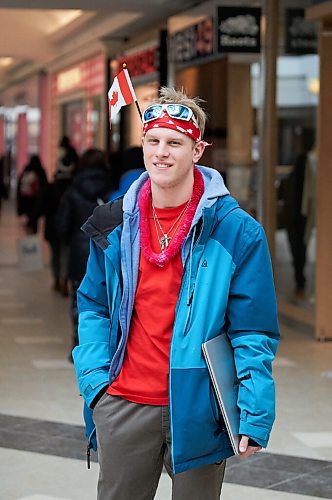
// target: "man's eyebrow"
[[179, 139]]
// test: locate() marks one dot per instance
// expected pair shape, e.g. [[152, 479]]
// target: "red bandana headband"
[[188, 128]]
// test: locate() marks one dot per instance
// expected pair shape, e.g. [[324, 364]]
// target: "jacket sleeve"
[[92, 355], [254, 334]]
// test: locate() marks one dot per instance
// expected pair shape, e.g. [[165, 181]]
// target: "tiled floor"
[[41, 435]]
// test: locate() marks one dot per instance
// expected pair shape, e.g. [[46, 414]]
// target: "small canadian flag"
[[121, 93]]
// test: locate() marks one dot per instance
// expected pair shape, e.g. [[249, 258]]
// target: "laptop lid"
[[219, 357]]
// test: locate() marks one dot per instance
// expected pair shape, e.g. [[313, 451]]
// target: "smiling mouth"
[[163, 166]]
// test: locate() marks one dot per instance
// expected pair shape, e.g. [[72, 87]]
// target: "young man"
[[183, 265]]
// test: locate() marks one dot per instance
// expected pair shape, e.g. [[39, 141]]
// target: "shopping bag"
[[29, 253]]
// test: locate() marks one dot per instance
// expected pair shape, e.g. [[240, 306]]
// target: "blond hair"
[[169, 95]]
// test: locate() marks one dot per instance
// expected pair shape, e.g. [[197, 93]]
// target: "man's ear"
[[198, 151]]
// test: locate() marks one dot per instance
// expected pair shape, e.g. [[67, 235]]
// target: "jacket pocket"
[[197, 425]]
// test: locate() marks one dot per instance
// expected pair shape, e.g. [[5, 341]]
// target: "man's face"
[[169, 157]]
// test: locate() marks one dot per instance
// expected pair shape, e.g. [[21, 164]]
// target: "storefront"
[[217, 67], [220, 58], [78, 104]]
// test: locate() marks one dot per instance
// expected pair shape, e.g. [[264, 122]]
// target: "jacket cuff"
[[93, 384], [259, 434]]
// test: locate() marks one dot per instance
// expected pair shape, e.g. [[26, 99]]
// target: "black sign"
[[301, 34], [192, 43], [239, 29]]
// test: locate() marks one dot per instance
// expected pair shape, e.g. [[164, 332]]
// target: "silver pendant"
[[164, 242]]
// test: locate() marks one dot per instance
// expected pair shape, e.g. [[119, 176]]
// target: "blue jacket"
[[227, 286]]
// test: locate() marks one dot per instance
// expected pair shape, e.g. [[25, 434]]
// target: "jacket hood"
[[92, 183], [214, 188]]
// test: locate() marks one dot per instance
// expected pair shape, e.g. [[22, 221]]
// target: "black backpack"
[[104, 219]]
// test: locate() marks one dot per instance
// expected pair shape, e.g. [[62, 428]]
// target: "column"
[[239, 115], [324, 183], [268, 124]]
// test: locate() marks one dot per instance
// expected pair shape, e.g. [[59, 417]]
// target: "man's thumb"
[[243, 444]]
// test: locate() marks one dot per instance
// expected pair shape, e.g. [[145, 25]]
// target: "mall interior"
[[264, 70]]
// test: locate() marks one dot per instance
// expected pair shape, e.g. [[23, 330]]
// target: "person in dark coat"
[[90, 188], [68, 156], [46, 206], [30, 183], [295, 221]]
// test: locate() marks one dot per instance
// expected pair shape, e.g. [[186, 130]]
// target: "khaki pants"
[[133, 444]]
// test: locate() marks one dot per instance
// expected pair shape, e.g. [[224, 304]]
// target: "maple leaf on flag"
[[120, 94], [114, 99]]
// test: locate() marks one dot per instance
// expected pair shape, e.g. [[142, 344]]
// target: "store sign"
[[301, 34], [141, 63], [88, 75], [69, 80], [239, 29], [192, 43]]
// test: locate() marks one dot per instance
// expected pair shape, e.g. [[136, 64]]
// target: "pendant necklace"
[[165, 238]]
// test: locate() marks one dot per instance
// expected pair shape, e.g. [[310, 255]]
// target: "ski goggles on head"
[[173, 116], [177, 111]]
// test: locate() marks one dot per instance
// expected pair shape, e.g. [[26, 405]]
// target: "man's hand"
[[246, 450]]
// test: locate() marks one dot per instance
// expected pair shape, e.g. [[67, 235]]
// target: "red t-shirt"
[[144, 374]]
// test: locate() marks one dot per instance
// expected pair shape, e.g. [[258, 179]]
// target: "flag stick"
[[139, 110], [124, 66]]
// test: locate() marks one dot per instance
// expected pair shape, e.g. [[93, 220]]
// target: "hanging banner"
[[192, 43], [239, 29], [301, 34]]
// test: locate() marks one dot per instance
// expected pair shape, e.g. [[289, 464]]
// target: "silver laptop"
[[219, 357]]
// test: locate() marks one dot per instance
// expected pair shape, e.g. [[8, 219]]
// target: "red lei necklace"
[[144, 202]]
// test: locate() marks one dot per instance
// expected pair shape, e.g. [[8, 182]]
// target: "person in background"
[[299, 193], [132, 166], [181, 264], [66, 169], [46, 206], [30, 183], [116, 166], [67, 155], [90, 187]]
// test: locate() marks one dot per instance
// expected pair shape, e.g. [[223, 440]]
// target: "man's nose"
[[162, 150]]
